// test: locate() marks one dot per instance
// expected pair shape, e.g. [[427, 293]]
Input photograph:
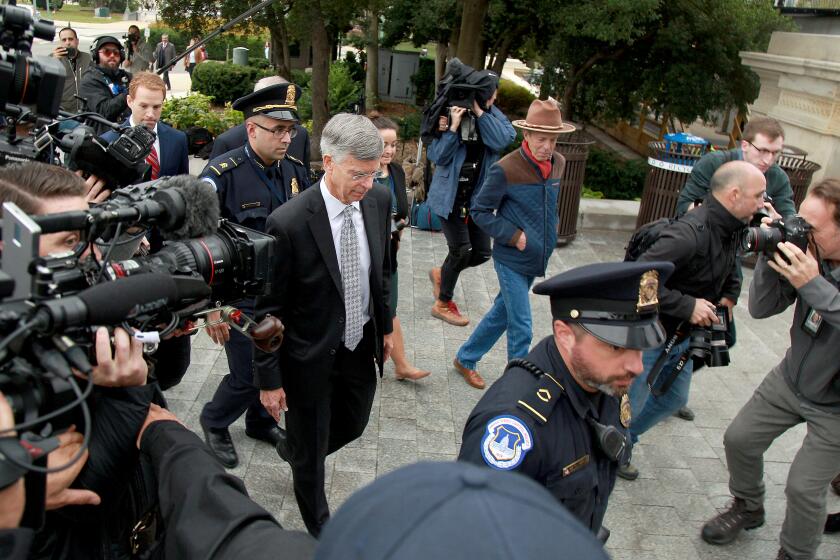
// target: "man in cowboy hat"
[[517, 207]]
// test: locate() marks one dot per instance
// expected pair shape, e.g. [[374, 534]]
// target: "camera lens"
[[758, 239]]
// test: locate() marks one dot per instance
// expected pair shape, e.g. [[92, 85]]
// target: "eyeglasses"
[[279, 131], [109, 52], [356, 176], [765, 152]]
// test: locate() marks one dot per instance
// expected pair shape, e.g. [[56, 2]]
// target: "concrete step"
[[603, 214]]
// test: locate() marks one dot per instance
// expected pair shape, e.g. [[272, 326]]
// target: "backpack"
[[423, 218], [197, 138], [644, 238]]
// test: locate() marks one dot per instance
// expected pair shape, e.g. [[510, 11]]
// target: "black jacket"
[[307, 293], [702, 244], [237, 136], [396, 172], [105, 92], [206, 511], [528, 425]]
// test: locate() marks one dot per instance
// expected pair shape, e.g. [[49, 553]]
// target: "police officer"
[[560, 415], [251, 182]]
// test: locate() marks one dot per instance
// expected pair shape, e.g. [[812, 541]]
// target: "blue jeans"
[[648, 410], [513, 296]]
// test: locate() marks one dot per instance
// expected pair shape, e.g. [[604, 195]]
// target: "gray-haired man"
[[331, 292]]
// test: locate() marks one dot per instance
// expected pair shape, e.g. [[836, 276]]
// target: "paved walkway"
[[658, 516]]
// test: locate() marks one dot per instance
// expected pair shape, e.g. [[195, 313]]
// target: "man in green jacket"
[[761, 144]]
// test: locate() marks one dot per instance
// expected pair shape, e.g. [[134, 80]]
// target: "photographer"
[[206, 511], [105, 85], [702, 245], [804, 387], [460, 169], [138, 51], [75, 63], [118, 404], [761, 144]]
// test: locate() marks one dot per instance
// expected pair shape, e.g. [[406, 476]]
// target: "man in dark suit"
[[169, 155], [331, 290], [164, 52], [238, 135]]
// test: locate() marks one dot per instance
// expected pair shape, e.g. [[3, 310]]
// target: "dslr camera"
[[708, 344], [764, 240]]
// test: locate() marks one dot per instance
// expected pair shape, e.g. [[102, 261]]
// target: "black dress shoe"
[[272, 435], [832, 523], [685, 413], [221, 445]]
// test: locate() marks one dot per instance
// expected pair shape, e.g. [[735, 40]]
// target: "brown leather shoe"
[[471, 376], [434, 278], [448, 311], [835, 484]]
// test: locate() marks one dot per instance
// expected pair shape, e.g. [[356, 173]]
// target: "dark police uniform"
[[538, 420], [249, 190]]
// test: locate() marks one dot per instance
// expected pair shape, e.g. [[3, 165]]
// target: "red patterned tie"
[[152, 159]]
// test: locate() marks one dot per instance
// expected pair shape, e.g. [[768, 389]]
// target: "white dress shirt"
[[335, 212], [157, 139]]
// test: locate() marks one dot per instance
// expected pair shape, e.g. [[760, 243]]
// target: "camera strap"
[[656, 370]]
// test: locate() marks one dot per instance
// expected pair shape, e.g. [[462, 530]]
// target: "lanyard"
[[272, 186]]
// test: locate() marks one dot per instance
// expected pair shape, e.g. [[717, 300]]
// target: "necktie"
[[350, 277], [152, 159]]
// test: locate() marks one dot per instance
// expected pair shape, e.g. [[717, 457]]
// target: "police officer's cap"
[[454, 510], [278, 102], [615, 302]]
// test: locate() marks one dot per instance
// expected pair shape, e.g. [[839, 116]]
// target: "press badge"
[[812, 323]]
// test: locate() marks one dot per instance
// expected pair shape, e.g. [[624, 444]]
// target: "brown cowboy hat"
[[544, 116]]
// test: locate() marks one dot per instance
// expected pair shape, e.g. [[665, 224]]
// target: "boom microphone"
[[111, 303], [200, 204]]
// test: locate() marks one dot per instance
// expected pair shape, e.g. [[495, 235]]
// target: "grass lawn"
[[77, 14]]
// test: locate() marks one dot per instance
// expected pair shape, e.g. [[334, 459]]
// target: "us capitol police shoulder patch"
[[506, 442]]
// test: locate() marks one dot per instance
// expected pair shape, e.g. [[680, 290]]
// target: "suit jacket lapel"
[[319, 225], [370, 214]]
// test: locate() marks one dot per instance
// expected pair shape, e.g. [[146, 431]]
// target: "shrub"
[[513, 100], [343, 89], [195, 110], [614, 177], [356, 65], [218, 48], [301, 78], [225, 82], [410, 125]]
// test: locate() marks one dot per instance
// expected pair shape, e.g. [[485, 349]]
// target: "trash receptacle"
[[575, 148], [800, 171], [102, 12], [240, 56], [670, 163]]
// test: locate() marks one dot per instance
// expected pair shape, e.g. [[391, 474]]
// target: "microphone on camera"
[[182, 207], [111, 303], [192, 198]]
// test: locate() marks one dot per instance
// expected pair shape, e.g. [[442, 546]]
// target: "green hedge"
[[343, 90], [217, 49], [613, 176], [513, 100], [196, 110], [226, 82]]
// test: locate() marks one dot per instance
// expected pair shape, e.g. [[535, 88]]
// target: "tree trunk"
[[470, 39], [321, 49], [280, 57], [501, 55], [440, 61], [545, 83], [372, 71], [455, 33]]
